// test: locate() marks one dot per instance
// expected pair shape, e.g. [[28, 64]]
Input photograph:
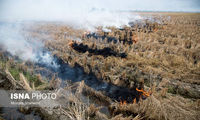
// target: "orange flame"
[[134, 101], [71, 43], [123, 102], [144, 93], [134, 38]]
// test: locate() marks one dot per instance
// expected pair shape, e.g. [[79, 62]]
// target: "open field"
[[151, 68]]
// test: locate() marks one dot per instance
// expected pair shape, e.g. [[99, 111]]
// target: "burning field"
[[102, 65], [149, 69]]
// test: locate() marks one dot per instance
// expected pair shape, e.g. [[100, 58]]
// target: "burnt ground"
[[163, 58]]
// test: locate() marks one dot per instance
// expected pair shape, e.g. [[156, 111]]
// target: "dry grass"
[[167, 50], [161, 108]]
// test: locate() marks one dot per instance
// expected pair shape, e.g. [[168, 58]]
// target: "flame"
[[144, 93], [134, 38], [70, 43], [123, 102], [134, 101]]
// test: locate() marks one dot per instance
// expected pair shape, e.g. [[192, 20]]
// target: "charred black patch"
[[103, 37], [117, 93], [125, 39], [104, 52]]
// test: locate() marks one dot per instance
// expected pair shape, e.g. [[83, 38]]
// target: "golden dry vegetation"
[[159, 55]]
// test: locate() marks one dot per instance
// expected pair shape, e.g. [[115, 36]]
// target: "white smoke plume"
[[85, 14], [79, 13], [18, 44], [14, 42]]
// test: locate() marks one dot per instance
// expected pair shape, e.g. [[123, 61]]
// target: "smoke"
[[81, 14], [15, 41], [105, 18]]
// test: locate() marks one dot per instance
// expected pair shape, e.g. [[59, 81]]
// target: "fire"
[[123, 102], [144, 93], [134, 101], [134, 38], [71, 43]]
